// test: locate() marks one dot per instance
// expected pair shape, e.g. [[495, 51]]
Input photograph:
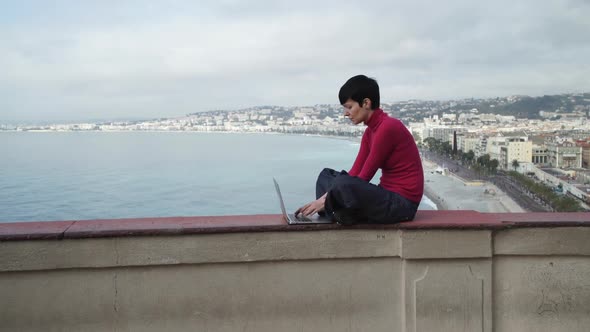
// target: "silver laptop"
[[298, 220]]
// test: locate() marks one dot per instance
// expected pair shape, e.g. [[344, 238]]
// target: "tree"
[[469, 156], [482, 163], [484, 160], [447, 148], [493, 165], [417, 137], [560, 203], [431, 143], [515, 164], [463, 156]]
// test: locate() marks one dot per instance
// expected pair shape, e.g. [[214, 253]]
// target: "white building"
[[518, 148], [564, 155], [468, 142], [507, 147], [443, 133]]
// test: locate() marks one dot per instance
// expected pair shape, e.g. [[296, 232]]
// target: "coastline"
[[355, 139], [449, 192], [434, 198], [445, 192]]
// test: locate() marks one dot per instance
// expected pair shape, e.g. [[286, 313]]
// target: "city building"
[[507, 147], [519, 148], [564, 155], [540, 154], [443, 133], [468, 141], [482, 147], [585, 145]]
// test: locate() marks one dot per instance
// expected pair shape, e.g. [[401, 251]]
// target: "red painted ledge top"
[[55, 230]]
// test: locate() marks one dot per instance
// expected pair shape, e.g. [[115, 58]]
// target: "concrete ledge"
[[445, 271], [196, 249], [273, 223], [573, 241], [548, 219], [34, 230], [446, 244]]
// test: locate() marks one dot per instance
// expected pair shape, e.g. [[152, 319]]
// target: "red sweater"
[[387, 144]]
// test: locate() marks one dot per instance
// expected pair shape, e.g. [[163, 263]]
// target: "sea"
[[47, 176]]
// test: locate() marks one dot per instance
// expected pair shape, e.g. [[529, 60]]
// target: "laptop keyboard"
[[302, 218]]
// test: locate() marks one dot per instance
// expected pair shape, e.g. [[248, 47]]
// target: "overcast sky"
[[97, 60]]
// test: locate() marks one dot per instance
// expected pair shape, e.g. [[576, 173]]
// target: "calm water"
[[94, 175]]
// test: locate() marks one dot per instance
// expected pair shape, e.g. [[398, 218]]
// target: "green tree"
[[493, 165], [482, 163], [417, 137], [560, 203], [447, 148], [484, 160], [431, 143], [470, 156], [463, 156]]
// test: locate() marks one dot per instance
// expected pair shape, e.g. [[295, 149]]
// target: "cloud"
[[154, 59]]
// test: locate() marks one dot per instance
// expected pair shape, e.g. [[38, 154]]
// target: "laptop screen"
[[280, 199]]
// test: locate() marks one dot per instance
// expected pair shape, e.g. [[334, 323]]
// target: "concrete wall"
[[524, 279]]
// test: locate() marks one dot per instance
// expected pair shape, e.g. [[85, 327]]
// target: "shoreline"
[[434, 198], [340, 137], [450, 192]]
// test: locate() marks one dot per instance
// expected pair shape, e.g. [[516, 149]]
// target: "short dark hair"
[[358, 88]]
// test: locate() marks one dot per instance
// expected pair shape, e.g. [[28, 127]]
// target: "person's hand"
[[312, 207]]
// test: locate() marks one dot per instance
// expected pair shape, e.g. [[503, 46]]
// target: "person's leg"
[[353, 200], [324, 183]]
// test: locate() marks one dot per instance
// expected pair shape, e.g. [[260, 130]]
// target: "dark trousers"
[[358, 201]]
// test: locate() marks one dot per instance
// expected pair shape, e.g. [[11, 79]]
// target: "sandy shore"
[[451, 193]]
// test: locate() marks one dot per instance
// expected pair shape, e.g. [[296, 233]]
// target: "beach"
[[449, 192]]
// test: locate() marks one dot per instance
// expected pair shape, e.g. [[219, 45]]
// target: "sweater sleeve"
[[361, 156], [382, 145]]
